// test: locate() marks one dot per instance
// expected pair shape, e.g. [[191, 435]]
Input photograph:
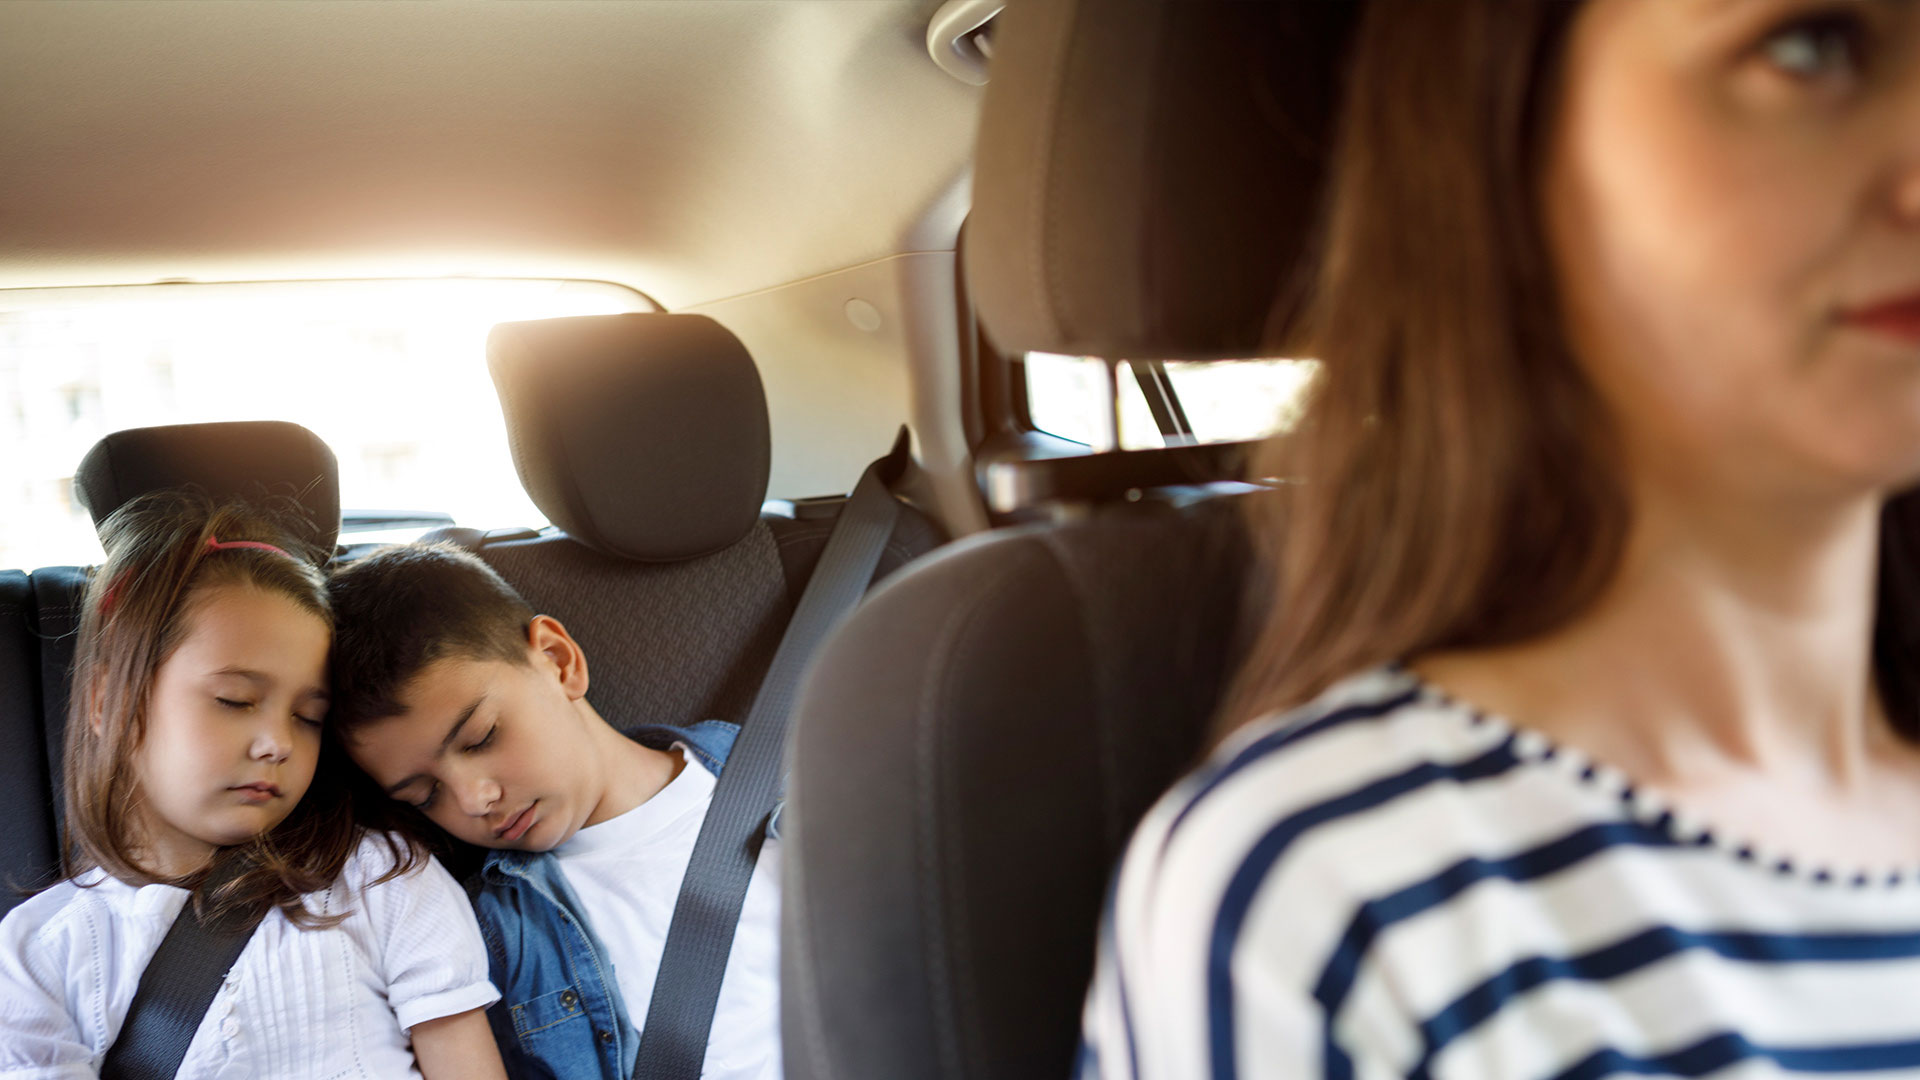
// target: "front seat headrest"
[[248, 458], [644, 436], [1148, 172]]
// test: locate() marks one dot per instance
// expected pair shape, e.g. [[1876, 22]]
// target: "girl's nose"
[[272, 743]]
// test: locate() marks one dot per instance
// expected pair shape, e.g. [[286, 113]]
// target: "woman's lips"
[[1898, 318], [516, 826]]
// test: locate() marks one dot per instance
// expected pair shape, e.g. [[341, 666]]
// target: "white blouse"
[[298, 1003]]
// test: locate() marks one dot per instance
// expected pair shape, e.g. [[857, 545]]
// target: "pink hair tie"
[[214, 544]]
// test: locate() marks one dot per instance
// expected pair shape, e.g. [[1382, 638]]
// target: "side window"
[[1242, 399], [1165, 404]]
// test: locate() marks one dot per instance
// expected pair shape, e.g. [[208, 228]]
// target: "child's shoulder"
[[49, 914], [379, 855]]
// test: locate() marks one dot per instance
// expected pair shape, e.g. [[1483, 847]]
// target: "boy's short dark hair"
[[403, 608]]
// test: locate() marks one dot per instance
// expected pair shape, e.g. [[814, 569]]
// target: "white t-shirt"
[[1387, 883], [331, 1003], [627, 874]]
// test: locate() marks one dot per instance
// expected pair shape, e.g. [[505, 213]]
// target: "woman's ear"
[[551, 644], [90, 708]]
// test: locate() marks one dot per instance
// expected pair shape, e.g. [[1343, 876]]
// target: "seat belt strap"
[[175, 991], [679, 1020]]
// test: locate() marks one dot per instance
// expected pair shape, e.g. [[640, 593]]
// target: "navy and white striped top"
[[1388, 883]]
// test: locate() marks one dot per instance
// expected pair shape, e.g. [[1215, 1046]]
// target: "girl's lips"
[[517, 826], [256, 793], [1898, 318]]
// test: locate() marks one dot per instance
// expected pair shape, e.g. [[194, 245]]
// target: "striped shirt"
[[1389, 883]]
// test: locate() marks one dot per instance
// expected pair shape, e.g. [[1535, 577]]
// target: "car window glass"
[[391, 374], [1220, 401]]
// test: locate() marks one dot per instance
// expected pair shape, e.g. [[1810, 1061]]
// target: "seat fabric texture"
[[27, 849], [676, 583], [972, 750], [679, 642]]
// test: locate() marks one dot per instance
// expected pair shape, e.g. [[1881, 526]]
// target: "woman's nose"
[[1906, 195], [1905, 129]]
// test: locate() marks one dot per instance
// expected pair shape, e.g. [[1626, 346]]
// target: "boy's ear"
[[551, 643]]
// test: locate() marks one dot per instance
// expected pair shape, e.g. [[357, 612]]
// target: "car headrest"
[[1148, 172], [644, 436], [248, 458]]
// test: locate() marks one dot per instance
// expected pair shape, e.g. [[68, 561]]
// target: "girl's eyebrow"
[[249, 674]]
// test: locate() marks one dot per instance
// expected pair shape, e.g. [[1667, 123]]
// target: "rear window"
[[392, 374], [1216, 401]]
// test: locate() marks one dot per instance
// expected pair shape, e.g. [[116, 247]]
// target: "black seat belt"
[[176, 988], [673, 1042]]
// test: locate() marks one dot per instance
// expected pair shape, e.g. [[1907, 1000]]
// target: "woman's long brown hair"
[[1456, 481], [138, 610]]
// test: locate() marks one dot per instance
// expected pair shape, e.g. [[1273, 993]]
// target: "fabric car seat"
[[975, 744], [40, 611], [644, 439]]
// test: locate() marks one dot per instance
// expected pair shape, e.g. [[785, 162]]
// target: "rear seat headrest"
[[644, 436], [248, 458]]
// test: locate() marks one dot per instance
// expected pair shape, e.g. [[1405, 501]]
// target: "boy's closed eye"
[[483, 742], [426, 802]]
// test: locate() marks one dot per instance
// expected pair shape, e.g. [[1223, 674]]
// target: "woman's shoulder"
[[1317, 784], [1364, 728]]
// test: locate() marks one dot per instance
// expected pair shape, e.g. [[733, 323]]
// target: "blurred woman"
[[1584, 735]]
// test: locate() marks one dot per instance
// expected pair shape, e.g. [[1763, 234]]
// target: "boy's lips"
[[516, 826]]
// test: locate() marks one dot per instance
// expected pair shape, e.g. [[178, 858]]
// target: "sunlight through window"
[[392, 374]]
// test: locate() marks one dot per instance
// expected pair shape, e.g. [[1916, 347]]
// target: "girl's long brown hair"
[[138, 609], [1458, 487]]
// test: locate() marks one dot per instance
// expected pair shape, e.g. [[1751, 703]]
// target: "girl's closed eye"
[[231, 703], [425, 802]]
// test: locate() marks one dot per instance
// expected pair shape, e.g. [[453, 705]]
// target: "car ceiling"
[[695, 149]]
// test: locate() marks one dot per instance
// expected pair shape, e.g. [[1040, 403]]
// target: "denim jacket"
[[560, 1016]]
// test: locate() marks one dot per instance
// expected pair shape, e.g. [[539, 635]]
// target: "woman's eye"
[[1822, 47], [484, 740]]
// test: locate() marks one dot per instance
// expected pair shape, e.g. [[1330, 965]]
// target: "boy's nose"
[[479, 797]]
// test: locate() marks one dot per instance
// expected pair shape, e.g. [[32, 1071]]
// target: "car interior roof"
[[696, 151]]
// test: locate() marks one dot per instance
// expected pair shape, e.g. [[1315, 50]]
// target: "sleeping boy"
[[455, 697]]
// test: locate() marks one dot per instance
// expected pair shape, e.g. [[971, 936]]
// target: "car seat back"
[[644, 439], [977, 743]]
